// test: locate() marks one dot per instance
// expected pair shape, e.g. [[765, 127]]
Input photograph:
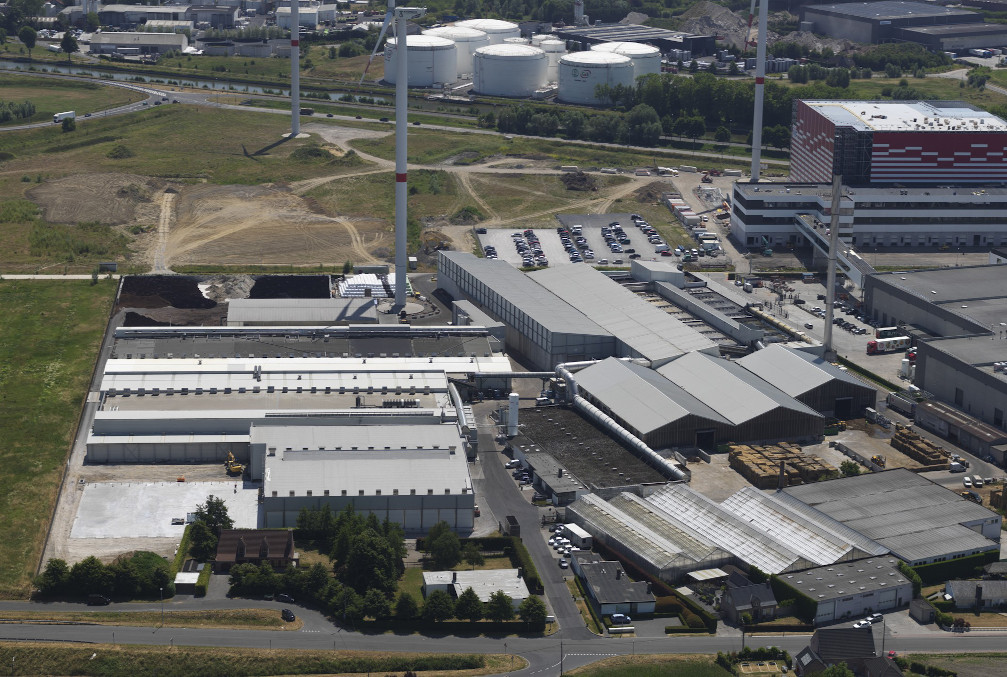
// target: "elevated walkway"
[[849, 262]]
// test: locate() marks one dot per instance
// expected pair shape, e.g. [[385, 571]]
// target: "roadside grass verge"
[[665, 665], [364, 113], [237, 619], [128, 661], [582, 605], [54, 95], [965, 664], [48, 345]]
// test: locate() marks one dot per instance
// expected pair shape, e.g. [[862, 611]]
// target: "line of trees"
[[11, 110], [140, 575]]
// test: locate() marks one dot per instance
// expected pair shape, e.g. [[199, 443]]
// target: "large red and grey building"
[[885, 142], [919, 174]]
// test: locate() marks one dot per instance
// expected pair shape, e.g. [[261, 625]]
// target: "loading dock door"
[[706, 439], [887, 599], [826, 612], [843, 408]]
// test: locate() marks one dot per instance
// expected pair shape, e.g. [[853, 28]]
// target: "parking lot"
[[547, 241]]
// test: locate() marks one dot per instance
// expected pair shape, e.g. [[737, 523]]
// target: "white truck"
[[888, 345], [66, 115]]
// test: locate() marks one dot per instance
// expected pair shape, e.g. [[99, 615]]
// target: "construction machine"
[[233, 466], [878, 459]]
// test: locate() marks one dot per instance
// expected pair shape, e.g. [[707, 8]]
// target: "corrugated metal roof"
[[607, 522], [428, 472], [647, 330], [794, 372], [692, 510], [534, 300], [652, 517], [363, 437], [641, 397], [912, 516], [817, 540], [733, 392]]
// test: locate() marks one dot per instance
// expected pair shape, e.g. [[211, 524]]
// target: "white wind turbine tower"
[[402, 17], [760, 86]]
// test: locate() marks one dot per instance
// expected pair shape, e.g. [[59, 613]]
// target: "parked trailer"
[[66, 115], [886, 332], [887, 345]]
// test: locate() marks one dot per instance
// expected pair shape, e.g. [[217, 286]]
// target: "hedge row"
[[487, 544], [682, 630], [521, 559], [203, 582], [445, 627], [777, 627], [931, 670], [966, 567], [183, 551]]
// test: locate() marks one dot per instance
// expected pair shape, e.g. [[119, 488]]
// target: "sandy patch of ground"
[[107, 198], [264, 225]]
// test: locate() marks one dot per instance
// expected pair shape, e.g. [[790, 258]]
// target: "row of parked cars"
[[529, 248], [575, 244], [562, 545]]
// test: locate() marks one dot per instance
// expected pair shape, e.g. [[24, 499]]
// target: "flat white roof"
[[908, 116], [483, 582]]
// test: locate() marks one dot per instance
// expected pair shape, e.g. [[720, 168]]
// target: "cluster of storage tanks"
[[502, 63]]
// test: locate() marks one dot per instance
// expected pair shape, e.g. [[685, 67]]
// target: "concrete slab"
[[716, 480], [145, 509]]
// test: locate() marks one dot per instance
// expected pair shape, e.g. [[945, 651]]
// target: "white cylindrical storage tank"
[[496, 29], [581, 72], [515, 402], [432, 61], [508, 70], [646, 58], [515, 41], [541, 37], [467, 41], [554, 51]]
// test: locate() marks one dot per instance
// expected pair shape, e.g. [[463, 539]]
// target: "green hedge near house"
[[203, 582], [521, 558], [183, 551]]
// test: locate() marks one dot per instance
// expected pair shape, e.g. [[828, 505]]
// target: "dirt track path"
[[465, 179], [163, 228]]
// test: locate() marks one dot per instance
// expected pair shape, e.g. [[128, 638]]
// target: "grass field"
[[966, 665], [185, 142], [238, 619], [665, 665], [365, 113], [51, 95], [517, 195], [48, 343], [128, 661], [429, 147], [931, 87]]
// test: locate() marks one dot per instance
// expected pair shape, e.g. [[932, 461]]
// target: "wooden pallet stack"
[[760, 464], [918, 448]]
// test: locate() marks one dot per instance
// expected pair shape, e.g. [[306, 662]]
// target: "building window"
[[361, 493], [344, 492], [959, 397], [377, 493], [998, 418], [291, 493], [309, 492]]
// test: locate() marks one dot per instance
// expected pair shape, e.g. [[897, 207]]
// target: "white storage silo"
[[541, 37], [554, 51], [646, 58], [581, 72], [432, 61], [508, 70], [496, 29], [467, 41], [516, 41]]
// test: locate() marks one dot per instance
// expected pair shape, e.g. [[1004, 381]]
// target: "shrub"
[[311, 152], [119, 152]]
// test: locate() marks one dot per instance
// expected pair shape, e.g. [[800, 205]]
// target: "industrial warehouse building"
[[919, 521], [904, 162], [934, 26], [957, 315], [662, 38], [566, 315], [697, 401], [386, 432], [138, 43], [853, 589]]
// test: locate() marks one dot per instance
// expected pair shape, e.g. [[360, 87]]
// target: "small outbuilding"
[[612, 592], [483, 582]]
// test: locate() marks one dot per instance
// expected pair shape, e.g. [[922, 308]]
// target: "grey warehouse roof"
[[795, 372], [848, 578], [299, 311], [890, 9], [951, 284], [518, 289], [735, 393], [360, 437], [643, 398], [647, 330], [910, 515]]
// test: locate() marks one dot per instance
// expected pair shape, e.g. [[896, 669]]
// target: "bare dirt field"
[[107, 198], [265, 225]]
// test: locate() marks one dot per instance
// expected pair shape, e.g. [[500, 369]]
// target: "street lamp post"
[[162, 605]]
